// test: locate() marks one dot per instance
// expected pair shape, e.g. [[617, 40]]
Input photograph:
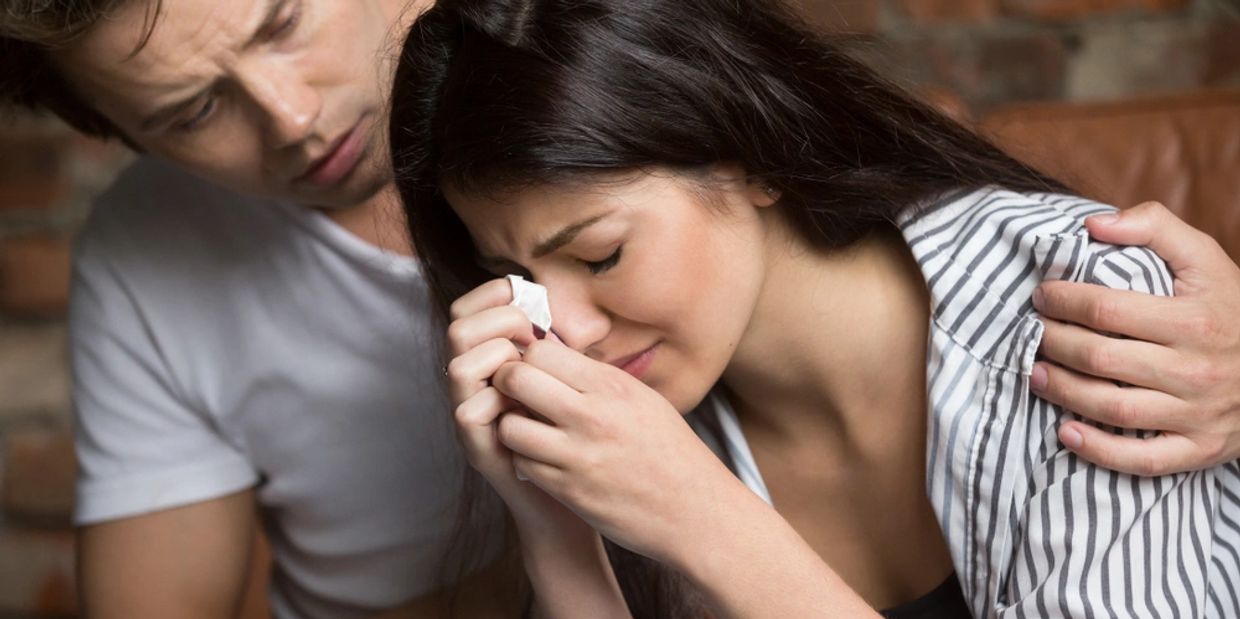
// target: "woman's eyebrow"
[[565, 236]]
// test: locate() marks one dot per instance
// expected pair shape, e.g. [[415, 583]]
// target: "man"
[[257, 335]]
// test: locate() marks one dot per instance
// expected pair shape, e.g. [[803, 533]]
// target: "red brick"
[[34, 372], [1066, 10], [1222, 51], [39, 473], [932, 11], [36, 572], [983, 69], [33, 166], [1022, 67], [845, 16], [34, 276], [1171, 58]]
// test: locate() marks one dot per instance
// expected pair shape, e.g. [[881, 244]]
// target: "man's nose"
[[289, 104]]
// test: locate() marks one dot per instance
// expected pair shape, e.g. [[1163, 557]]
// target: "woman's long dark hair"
[[495, 95]]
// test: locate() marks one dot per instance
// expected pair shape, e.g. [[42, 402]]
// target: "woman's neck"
[[835, 338]]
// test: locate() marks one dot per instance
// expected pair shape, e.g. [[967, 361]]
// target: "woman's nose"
[[576, 320]]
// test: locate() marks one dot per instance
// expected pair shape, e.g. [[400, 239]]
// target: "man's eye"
[[203, 113], [606, 264]]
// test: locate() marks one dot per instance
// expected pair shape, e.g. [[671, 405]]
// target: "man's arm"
[[190, 562], [1179, 358]]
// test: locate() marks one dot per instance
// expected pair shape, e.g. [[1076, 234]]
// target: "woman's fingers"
[[1131, 314], [541, 474], [533, 439], [502, 322], [1106, 402], [475, 427], [1159, 455], [494, 293], [468, 374], [565, 364], [1135, 362], [539, 391]]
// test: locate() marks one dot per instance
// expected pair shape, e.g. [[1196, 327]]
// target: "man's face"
[[280, 98]]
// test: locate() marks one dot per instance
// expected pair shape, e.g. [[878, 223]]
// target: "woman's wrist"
[[747, 558], [571, 575]]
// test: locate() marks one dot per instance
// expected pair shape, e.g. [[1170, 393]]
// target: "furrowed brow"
[[164, 115], [564, 236], [274, 7]]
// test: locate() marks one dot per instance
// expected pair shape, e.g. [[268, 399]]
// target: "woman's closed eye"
[[606, 264]]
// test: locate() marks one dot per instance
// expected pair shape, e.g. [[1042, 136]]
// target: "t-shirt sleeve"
[[141, 447], [1091, 542]]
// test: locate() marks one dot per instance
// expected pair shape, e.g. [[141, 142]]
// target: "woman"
[[715, 195]]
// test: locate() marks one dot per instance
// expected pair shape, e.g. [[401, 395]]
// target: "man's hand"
[[1180, 359]]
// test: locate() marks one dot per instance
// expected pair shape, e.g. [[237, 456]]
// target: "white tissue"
[[531, 298]]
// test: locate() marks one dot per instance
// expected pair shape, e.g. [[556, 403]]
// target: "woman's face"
[[647, 272]]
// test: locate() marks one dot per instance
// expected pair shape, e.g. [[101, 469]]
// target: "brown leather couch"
[[1183, 151]]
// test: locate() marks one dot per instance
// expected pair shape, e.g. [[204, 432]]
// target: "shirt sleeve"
[[140, 446], [1091, 542]]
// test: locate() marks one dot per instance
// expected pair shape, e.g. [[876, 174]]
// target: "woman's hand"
[[1188, 387], [624, 459], [563, 555], [613, 449], [484, 335]]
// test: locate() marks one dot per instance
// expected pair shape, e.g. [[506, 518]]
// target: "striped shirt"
[[1033, 530]]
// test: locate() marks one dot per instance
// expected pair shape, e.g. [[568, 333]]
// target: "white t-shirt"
[[222, 342]]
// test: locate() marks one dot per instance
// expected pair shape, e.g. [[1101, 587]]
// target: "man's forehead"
[[134, 48]]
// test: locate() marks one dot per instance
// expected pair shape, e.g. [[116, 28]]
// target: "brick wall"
[[981, 53], [46, 176], [989, 52]]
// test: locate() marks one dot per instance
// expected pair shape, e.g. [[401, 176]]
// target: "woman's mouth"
[[638, 363]]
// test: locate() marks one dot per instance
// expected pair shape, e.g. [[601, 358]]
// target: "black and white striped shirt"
[[1033, 530]]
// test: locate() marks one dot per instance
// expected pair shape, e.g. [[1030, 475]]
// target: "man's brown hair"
[[29, 30]]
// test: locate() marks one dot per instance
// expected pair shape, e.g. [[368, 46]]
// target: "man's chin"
[[357, 193]]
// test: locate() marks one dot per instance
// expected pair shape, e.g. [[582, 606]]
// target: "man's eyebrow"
[[273, 9], [165, 114], [565, 236]]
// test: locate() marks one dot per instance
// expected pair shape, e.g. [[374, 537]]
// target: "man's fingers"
[[1159, 455], [1136, 315], [1104, 401], [1135, 362], [1184, 248]]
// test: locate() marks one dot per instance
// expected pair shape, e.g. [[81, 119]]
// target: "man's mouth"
[[339, 160]]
